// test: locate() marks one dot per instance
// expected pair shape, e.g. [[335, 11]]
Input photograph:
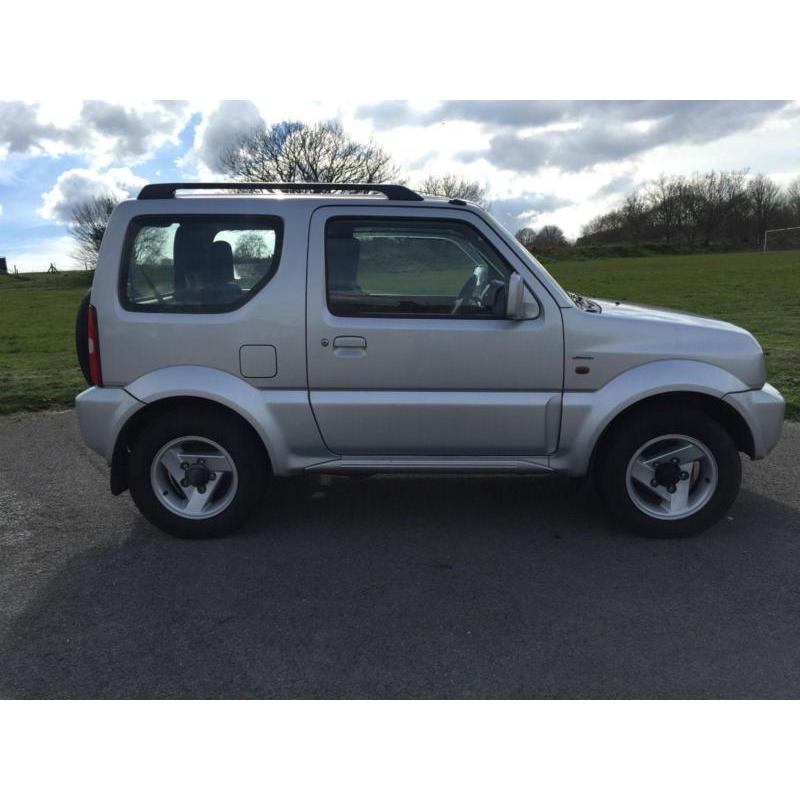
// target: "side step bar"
[[457, 464]]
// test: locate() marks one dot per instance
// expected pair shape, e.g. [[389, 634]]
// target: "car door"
[[409, 352]]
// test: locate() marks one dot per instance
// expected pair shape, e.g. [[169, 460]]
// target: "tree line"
[[711, 209]]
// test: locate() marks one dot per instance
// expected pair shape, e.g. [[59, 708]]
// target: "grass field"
[[759, 292], [37, 342]]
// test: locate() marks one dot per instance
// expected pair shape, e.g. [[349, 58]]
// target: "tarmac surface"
[[389, 587]]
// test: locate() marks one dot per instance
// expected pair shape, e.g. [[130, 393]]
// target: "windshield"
[[561, 296]]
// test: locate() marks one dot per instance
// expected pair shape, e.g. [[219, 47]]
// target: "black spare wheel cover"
[[82, 336]]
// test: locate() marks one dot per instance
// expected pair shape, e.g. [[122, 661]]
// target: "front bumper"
[[763, 410], [101, 414]]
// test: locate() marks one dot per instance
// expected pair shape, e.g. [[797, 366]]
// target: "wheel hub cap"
[[671, 477], [667, 474], [197, 475], [194, 477]]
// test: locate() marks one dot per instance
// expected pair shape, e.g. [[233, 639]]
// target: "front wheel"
[[669, 472], [197, 473]]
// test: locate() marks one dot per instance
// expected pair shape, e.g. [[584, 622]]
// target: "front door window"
[[386, 267]]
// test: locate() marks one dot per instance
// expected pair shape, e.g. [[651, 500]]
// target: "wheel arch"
[[281, 418], [147, 413], [715, 407], [588, 417]]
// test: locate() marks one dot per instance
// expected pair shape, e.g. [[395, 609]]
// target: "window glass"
[[393, 267], [198, 263]]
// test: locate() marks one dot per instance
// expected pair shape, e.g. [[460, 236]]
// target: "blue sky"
[[543, 162]]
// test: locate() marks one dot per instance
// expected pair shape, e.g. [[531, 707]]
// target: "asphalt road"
[[389, 587]]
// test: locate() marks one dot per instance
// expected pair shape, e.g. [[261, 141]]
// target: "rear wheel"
[[197, 473], [669, 472]]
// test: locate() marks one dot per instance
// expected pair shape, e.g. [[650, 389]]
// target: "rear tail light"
[[95, 372]]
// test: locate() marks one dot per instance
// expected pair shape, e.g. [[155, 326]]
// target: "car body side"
[[603, 365]]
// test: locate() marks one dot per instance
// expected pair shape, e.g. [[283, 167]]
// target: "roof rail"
[[166, 191]]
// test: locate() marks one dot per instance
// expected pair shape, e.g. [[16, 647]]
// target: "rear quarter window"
[[198, 264]]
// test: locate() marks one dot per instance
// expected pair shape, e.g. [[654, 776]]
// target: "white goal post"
[[777, 230]]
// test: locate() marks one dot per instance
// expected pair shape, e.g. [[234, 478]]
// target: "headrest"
[[343, 255], [221, 262]]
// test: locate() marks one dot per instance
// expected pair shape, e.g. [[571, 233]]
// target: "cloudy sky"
[[542, 161]]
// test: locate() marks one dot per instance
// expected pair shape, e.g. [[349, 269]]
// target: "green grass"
[[38, 368], [759, 292]]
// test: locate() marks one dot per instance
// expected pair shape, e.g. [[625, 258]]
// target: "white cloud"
[[76, 185], [525, 209], [129, 134], [573, 135], [218, 129], [100, 131]]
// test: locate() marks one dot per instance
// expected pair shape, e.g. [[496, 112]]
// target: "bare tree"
[[550, 237], [293, 151], [251, 247], [635, 217], [688, 208], [793, 201], [88, 225], [450, 185], [149, 246], [525, 236], [764, 197], [720, 195], [663, 199]]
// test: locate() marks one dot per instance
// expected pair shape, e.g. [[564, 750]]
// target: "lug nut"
[[212, 476], [185, 482], [675, 461], [202, 489], [654, 483], [671, 489], [184, 465], [684, 475], [203, 461]]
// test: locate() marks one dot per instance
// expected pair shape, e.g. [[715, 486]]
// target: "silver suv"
[[240, 332]]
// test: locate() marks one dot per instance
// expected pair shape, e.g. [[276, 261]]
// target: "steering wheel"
[[465, 294], [474, 286]]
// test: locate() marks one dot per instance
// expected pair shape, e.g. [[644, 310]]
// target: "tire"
[[82, 336], [236, 492], [713, 479]]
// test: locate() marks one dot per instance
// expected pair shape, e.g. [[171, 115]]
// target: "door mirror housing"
[[520, 303], [514, 298]]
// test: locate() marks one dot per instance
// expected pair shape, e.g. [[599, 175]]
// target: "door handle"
[[350, 346], [357, 342]]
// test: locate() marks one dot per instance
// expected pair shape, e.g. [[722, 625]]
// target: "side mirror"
[[515, 301], [520, 303]]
